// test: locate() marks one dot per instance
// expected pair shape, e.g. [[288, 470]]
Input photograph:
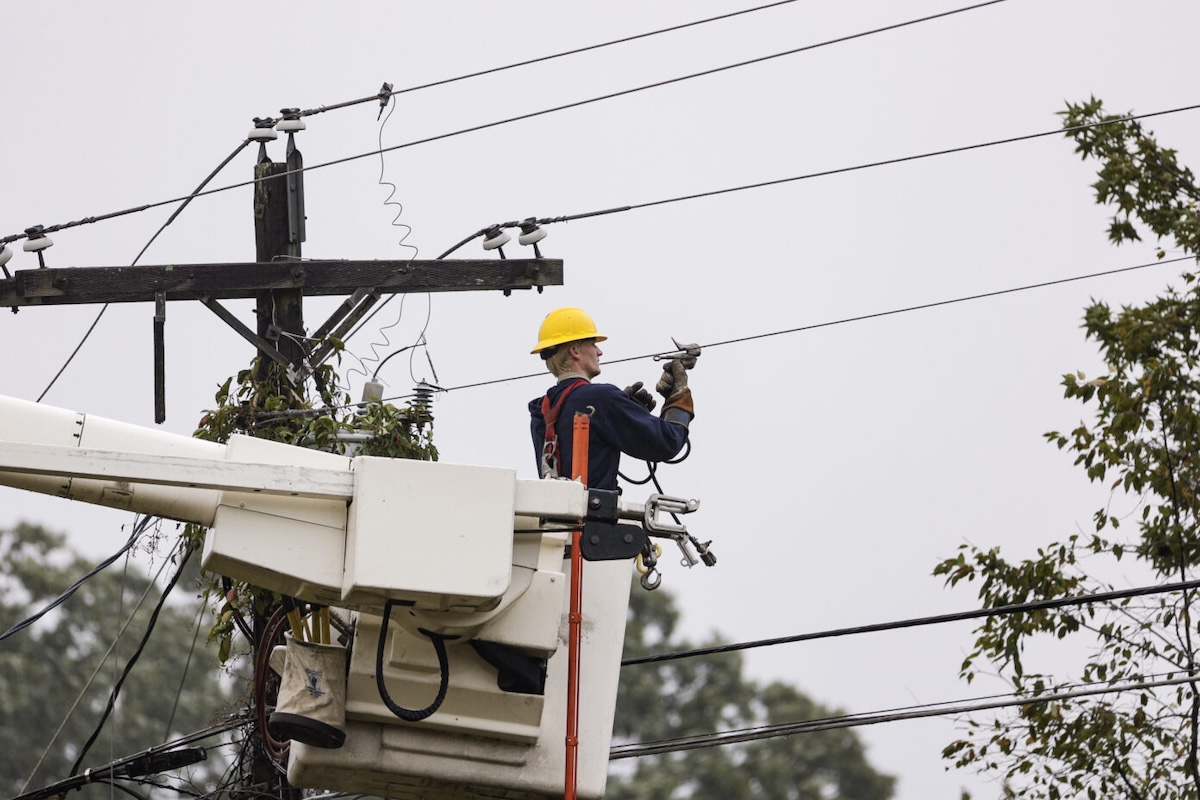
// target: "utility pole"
[[277, 279], [278, 236]]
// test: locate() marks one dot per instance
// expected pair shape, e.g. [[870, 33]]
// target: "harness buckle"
[[550, 459]]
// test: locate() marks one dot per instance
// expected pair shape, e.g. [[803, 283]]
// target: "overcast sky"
[[835, 466]]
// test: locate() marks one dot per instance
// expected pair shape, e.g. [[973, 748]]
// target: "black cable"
[[720, 739], [439, 647], [125, 789], [1015, 608], [800, 329], [936, 304], [238, 620], [158, 785], [186, 666], [646, 87], [858, 318], [386, 94], [652, 466], [66, 595], [116, 690], [803, 328], [170, 219], [74, 352], [589, 101], [602, 212], [99, 666], [130, 768], [388, 358]]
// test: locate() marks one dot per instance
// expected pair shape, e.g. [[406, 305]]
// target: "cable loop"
[[439, 647]]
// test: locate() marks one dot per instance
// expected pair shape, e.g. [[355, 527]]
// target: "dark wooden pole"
[[279, 311]]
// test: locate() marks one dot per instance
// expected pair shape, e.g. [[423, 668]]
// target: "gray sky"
[[835, 467]]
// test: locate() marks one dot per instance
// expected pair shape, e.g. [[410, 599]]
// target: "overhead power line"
[[939, 303], [137, 258], [647, 204], [856, 318], [638, 750], [66, 595], [137, 653], [142, 523], [980, 613], [579, 103], [159, 753], [387, 94]]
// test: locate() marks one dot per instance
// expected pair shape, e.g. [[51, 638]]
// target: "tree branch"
[[1194, 716]]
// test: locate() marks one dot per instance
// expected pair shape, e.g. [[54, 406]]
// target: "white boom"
[[471, 552]]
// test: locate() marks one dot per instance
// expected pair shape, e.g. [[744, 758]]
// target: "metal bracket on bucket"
[[659, 504], [665, 504], [604, 539]]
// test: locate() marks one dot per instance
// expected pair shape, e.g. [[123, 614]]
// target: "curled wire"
[[421, 341], [272, 632]]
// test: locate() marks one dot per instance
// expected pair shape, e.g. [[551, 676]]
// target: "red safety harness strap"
[[550, 413]]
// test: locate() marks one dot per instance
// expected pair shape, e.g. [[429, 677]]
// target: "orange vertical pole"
[[579, 466]]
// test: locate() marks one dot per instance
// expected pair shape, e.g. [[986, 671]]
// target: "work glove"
[[692, 352], [641, 396], [674, 378], [673, 385]]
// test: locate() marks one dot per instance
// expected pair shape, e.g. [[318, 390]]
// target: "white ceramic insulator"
[[532, 237], [34, 245], [290, 125], [6, 254], [499, 240], [262, 135]]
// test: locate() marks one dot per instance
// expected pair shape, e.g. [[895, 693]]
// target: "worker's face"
[[587, 356]]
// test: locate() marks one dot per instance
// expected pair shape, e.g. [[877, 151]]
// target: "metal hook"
[[648, 558], [651, 580]]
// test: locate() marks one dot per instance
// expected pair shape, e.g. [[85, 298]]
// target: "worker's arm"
[[630, 428]]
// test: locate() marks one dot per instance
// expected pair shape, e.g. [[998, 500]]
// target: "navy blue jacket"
[[619, 424]]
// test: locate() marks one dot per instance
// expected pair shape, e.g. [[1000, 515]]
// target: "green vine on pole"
[[261, 401]]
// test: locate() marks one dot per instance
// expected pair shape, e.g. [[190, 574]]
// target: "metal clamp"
[[686, 353], [661, 503]]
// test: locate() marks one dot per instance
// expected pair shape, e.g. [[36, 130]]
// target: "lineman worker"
[[621, 421]]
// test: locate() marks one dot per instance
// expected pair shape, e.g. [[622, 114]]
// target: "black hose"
[[652, 466], [439, 647]]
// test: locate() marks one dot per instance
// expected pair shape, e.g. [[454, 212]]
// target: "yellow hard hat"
[[564, 325]]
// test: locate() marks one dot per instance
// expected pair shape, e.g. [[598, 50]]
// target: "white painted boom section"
[[194, 473], [23, 422]]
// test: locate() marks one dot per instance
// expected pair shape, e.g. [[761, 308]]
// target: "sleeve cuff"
[[678, 416]]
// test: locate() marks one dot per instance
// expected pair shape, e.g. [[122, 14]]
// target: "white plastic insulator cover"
[[499, 240], [532, 237], [372, 392], [290, 125], [34, 245], [262, 135]]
